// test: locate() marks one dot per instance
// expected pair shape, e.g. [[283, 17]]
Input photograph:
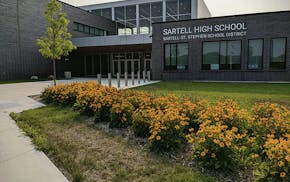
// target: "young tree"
[[56, 43]]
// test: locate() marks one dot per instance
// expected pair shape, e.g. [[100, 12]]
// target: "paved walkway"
[[19, 161]]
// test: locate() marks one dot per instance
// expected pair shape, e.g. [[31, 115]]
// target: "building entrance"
[[131, 62]]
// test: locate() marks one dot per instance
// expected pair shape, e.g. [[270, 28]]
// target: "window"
[[210, 56], [255, 54], [81, 28], [89, 29], [156, 9], [107, 13], [176, 56], [144, 16], [171, 10], [184, 9], [130, 12], [97, 12], [76, 26], [126, 20], [278, 53], [222, 55], [92, 30], [120, 13]]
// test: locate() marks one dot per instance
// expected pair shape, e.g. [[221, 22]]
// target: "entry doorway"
[[97, 64], [126, 62]]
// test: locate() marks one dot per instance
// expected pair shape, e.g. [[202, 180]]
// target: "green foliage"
[[56, 43]]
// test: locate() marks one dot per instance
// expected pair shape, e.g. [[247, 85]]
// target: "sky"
[[220, 7]]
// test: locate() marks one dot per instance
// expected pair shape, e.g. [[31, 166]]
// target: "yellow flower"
[[222, 145], [228, 143], [282, 174], [177, 127], [158, 137], [287, 158], [280, 163], [255, 156], [213, 155], [216, 141], [202, 154], [191, 130]]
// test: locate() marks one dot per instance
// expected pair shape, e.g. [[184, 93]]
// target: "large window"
[[89, 29], [221, 55], [184, 9], [171, 10], [126, 20], [176, 56], [148, 14], [178, 10], [278, 53], [255, 54], [107, 12]]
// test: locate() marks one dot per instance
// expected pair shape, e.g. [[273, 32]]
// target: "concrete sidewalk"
[[19, 161]]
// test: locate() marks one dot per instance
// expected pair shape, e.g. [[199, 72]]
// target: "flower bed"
[[223, 136]]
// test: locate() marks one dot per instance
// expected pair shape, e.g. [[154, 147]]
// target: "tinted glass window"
[[171, 10], [87, 29], [184, 7], [81, 27], [182, 56], [130, 12], [107, 13], [76, 26], [255, 54], [176, 56], [120, 13], [233, 55], [278, 53], [210, 56], [156, 9], [97, 12], [222, 55], [144, 10]]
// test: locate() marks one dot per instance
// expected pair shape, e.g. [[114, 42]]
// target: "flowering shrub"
[[223, 136], [62, 94], [121, 113], [141, 120], [277, 152], [271, 126], [166, 130]]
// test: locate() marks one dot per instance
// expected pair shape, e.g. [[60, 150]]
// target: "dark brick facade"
[[263, 25], [21, 23]]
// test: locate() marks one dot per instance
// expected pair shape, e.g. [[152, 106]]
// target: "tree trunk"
[[54, 72]]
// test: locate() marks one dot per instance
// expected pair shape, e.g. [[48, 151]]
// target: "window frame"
[[271, 53], [248, 54], [219, 57], [170, 69]]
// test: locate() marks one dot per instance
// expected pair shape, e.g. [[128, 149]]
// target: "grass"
[[245, 94], [86, 153], [20, 81]]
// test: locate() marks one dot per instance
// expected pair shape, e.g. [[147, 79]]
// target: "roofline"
[[83, 10], [228, 16]]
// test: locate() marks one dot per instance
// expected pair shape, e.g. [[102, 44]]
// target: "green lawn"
[[20, 81], [84, 152], [244, 93]]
